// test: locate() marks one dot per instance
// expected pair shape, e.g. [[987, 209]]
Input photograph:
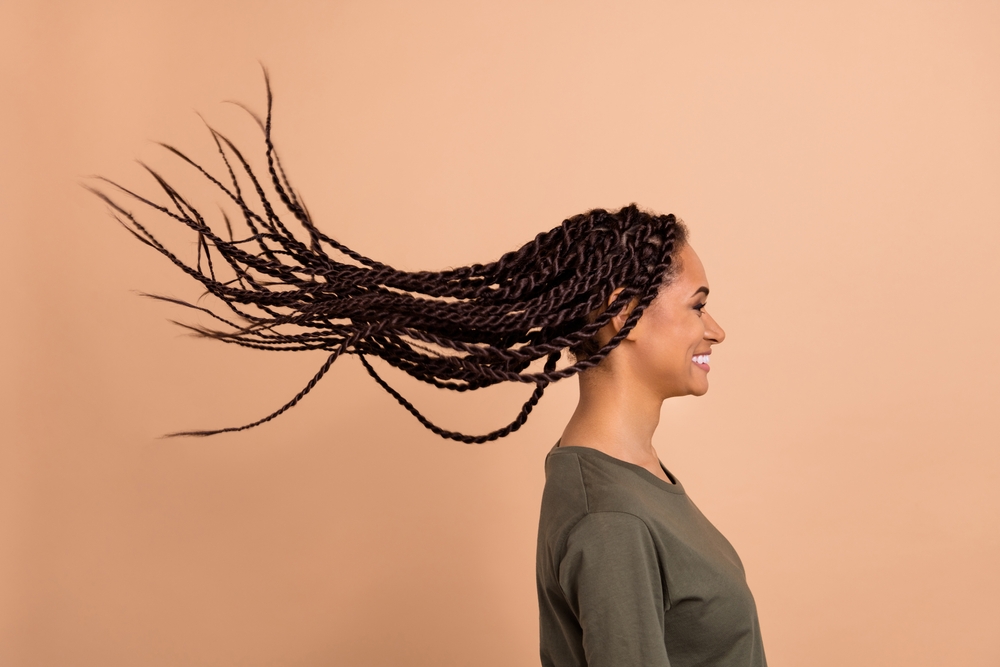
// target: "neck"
[[617, 416]]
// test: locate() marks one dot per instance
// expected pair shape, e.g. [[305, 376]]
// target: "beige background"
[[838, 164]]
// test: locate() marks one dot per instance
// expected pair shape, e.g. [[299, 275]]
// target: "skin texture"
[[620, 398]]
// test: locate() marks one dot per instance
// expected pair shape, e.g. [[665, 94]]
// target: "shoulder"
[[615, 532], [580, 482], [597, 482]]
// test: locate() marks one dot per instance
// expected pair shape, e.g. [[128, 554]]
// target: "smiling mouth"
[[701, 361]]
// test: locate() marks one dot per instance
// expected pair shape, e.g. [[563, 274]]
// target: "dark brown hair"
[[461, 329], [590, 346]]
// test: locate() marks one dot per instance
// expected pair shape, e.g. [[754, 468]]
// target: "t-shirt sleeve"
[[611, 578]]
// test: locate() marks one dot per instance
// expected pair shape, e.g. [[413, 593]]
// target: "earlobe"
[[621, 318], [616, 323], [624, 316]]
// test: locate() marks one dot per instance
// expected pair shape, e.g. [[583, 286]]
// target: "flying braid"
[[461, 329]]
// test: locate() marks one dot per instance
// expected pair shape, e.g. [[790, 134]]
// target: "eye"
[[700, 308]]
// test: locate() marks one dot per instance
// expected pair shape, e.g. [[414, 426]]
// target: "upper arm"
[[611, 577]]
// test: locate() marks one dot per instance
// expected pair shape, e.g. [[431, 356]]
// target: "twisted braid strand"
[[460, 329]]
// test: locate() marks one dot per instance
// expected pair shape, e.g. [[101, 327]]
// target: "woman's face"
[[668, 349]]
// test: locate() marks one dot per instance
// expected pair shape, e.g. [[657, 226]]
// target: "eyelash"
[[700, 308]]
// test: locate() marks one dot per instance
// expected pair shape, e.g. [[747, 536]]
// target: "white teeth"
[[700, 358]]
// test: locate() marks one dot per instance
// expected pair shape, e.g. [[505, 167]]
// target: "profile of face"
[[668, 349]]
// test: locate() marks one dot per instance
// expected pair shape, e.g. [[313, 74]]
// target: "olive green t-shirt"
[[630, 573]]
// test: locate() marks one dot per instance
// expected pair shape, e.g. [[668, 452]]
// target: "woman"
[[629, 572]]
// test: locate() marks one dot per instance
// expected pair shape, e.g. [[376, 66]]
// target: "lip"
[[704, 367]]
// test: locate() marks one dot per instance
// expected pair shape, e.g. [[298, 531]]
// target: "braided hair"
[[461, 329]]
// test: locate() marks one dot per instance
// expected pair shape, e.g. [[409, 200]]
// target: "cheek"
[[675, 339], [666, 343]]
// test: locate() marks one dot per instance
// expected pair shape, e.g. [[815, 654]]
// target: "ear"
[[618, 321]]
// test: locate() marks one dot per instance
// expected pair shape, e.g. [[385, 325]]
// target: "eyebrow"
[[701, 290]]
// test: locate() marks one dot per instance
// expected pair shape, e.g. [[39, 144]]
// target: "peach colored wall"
[[838, 164]]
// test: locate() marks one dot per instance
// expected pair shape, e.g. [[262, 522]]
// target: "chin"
[[699, 391], [677, 392]]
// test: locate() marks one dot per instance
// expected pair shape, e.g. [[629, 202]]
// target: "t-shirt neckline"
[[676, 487]]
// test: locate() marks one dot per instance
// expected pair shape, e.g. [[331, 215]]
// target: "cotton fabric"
[[630, 573]]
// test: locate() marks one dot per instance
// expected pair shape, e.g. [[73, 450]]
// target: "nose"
[[713, 332]]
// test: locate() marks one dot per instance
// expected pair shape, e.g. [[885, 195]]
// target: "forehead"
[[692, 273]]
